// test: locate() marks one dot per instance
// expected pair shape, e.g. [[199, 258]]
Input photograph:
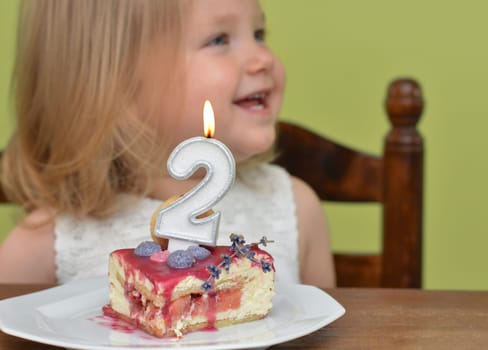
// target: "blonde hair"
[[79, 139]]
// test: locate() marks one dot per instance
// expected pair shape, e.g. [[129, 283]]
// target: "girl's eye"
[[221, 39], [260, 35]]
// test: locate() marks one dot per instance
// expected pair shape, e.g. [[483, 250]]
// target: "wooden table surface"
[[375, 319]]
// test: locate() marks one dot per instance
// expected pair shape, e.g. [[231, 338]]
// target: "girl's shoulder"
[[37, 225], [29, 245]]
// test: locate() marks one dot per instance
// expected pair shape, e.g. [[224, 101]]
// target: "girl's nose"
[[260, 59]]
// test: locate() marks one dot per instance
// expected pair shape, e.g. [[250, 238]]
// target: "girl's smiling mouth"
[[256, 101]]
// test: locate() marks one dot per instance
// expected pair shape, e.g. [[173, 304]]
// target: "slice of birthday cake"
[[169, 294]]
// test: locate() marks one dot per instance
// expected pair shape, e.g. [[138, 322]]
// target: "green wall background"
[[340, 57], [8, 22]]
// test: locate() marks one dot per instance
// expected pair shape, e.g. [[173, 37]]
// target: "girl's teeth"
[[257, 107]]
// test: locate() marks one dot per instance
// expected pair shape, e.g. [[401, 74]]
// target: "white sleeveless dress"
[[260, 203]]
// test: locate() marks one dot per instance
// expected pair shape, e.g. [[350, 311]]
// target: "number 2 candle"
[[178, 222]]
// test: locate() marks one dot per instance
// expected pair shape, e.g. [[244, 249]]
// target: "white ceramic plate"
[[71, 316]]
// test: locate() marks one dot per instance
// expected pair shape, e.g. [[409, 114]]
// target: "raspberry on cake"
[[200, 288]]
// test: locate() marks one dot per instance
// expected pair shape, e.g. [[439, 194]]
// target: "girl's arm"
[[27, 253], [316, 261]]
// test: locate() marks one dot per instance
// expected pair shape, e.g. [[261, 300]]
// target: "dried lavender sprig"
[[264, 241], [207, 285], [239, 249], [214, 271], [265, 266], [226, 261]]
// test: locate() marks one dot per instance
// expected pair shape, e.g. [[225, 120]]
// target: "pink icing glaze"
[[165, 277]]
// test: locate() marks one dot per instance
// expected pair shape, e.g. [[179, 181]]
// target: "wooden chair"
[[394, 179]]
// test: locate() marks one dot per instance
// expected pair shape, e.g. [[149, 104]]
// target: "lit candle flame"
[[208, 119]]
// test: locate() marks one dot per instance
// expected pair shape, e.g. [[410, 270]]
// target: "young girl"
[[105, 90]]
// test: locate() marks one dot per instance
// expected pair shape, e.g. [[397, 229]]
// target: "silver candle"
[[178, 222]]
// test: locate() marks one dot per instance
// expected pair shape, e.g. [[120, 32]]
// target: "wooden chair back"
[[394, 179]]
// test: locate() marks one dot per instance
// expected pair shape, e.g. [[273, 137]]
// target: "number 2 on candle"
[[178, 220]]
